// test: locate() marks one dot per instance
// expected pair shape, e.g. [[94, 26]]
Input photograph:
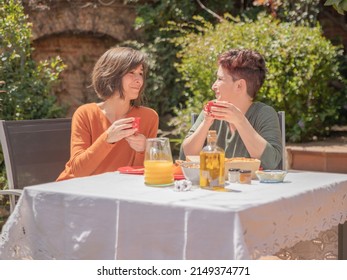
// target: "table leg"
[[342, 242]]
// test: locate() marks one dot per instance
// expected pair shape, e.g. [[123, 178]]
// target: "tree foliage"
[[303, 12]]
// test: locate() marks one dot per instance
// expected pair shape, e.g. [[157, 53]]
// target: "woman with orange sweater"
[[103, 137]]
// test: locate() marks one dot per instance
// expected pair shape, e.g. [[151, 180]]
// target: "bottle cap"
[[211, 136], [212, 133]]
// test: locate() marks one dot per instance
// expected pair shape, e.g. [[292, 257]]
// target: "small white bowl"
[[191, 171], [271, 176]]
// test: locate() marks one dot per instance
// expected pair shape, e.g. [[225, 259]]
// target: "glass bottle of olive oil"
[[212, 160]]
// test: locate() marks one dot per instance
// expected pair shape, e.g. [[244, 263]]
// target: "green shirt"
[[264, 120]]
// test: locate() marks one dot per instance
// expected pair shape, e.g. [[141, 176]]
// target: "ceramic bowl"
[[271, 176], [191, 171]]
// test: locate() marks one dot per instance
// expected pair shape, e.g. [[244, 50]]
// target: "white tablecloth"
[[115, 216]]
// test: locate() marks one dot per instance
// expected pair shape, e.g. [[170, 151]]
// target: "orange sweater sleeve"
[[85, 154]]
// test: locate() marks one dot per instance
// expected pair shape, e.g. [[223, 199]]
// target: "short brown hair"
[[245, 64], [112, 66]]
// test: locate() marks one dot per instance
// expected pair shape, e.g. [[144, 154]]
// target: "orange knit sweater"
[[90, 154]]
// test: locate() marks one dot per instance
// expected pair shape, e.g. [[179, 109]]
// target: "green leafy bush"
[[28, 85], [301, 65], [339, 5]]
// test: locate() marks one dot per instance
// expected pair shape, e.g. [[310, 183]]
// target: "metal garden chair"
[[35, 152]]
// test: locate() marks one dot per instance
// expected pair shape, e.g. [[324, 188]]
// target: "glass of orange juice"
[[158, 162]]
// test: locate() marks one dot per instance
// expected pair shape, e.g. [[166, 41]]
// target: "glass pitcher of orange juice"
[[158, 162]]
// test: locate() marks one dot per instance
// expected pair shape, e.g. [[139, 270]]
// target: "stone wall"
[[79, 31]]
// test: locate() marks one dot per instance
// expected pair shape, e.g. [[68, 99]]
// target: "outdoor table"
[[116, 216]]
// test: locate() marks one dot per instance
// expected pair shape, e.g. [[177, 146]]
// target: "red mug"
[[208, 106], [136, 123]]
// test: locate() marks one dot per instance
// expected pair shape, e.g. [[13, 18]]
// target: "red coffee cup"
[[208, 106], [136, 123]]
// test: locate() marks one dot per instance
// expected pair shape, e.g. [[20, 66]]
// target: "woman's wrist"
[[207, 122]]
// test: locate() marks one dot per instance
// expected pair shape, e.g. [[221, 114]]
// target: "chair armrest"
[[12, 193], [16, 192]]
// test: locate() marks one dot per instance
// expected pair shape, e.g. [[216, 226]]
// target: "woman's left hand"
[[137, 142]]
